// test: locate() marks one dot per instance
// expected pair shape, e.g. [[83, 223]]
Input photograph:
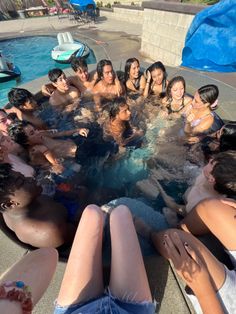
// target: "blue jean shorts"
[[107, 304]]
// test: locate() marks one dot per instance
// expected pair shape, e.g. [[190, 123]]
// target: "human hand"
[[193, 140], [190, 117], [15, 111], [188, 264], [138, 132], [71, 107], [118, 86], [83, 132], [47, 90], [58, 168], [163, 114], [148, 76]]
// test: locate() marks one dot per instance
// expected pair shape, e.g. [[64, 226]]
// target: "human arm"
[[97, 97], [36, 270], [118, 135], [79, 131], [147, 84], [49, 156], [169, 201], [120, 90], [24, 116], [48, 89], [191, 267]]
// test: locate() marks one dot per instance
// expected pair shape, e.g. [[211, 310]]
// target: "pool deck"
[[117, 41]]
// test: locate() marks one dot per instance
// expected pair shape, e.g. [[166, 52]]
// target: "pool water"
[[33, 56]]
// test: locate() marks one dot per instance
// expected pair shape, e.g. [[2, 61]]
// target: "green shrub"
[[108, 5]]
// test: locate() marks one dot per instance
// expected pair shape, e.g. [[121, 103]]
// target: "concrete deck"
[[118, 41]]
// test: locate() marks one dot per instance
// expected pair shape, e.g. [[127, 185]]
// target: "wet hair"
[[228, 137], [224, 173], [156, 66], [159, 66], [5, 170], [100, 67], [115, 106], [19, 96], [78, 63], [128, 64], [172, 82], [54, 74], [17, 133], [209, 94]]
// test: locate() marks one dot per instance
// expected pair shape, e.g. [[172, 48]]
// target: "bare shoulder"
[[97, 88], [73, 91], [187, 100]]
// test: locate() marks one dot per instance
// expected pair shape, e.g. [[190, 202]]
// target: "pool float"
[[210, 41], [67, 48], [8, 71]]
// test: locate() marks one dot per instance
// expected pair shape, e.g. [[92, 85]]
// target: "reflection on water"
[[33, 56]]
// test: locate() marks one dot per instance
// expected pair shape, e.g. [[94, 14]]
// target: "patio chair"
[[90, 13]]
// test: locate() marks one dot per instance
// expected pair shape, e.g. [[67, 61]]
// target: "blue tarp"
[[210, 44], [82, 4]]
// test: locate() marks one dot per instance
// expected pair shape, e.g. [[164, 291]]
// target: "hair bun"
[[214, 105]]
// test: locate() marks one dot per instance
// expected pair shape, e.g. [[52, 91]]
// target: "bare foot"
[[142, 228], [171, 216]]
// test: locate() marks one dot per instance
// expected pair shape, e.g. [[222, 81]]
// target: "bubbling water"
[[162, 153]]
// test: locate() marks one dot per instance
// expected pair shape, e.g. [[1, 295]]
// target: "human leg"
[[83, 278], [128, 277], [36, 270], [213, 216], [215, 268], [169, 201]]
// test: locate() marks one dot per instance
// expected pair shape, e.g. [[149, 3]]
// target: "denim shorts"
[[107, 304]]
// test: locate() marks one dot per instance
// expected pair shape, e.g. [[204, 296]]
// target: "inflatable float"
[[211, 38], [8, 71], [67, 48]]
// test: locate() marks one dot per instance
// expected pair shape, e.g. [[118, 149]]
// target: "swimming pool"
[[33, 56]]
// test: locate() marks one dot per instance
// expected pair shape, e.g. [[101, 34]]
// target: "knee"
[[121, 212], [93, 214]]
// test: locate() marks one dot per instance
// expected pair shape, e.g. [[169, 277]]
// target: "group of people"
[[95, 114]]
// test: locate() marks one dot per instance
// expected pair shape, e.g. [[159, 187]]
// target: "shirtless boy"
[[43, 150], [119, 127], [107, 84], [24, 106], [65, 97], [82, 80], [36, 219]]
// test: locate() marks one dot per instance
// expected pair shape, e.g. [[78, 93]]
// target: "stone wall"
[[164, 30], [131, 14], [164, 27]]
